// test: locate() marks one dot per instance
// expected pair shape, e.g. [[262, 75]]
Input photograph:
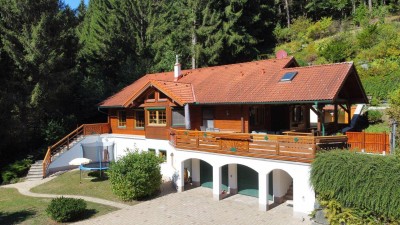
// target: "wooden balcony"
[[278, 147]]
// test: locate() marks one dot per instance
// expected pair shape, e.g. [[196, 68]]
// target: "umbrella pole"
[[80, 177]]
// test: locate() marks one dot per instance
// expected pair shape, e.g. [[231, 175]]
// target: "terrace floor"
[[196, 206]]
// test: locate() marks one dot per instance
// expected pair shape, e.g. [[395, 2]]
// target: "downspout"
[[187, 117]]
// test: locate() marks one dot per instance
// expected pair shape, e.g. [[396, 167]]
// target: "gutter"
[[265, 103]]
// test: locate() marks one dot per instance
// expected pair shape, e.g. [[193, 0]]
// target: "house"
[[238, 129]]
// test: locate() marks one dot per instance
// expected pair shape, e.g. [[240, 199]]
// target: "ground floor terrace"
[[272, 182]]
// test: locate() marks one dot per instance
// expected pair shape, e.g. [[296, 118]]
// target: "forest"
[[58, 63]]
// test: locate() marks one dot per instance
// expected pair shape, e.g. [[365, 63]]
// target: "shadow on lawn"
[[97, 177], [16, 217]]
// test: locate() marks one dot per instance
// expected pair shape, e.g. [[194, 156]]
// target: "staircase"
[[289, 194], [36, 171], [70, 140]]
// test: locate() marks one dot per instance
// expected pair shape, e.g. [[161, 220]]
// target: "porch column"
[[180, 182], [262, 192], [217, 180], [187, 117], [321, 120], [335, 116], [196, 172], [232, 180], [348, 106]]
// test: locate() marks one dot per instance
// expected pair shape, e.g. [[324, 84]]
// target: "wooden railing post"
[[363, 141], [384, 141]]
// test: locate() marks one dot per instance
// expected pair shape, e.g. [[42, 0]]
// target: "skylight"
[[288, 76]]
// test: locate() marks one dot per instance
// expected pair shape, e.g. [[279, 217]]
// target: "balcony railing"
[[66, 143], [278, 147]]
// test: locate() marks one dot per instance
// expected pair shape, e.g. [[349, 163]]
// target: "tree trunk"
[[354, 5], [370, 5], [287, 12], [194, 42]]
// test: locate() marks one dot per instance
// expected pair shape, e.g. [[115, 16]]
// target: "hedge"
[[366, 182]]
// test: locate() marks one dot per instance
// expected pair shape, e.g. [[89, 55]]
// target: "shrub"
[[16, 170], [136, 175], [363, 182], [374, 116], [66, 209], [338, 49]]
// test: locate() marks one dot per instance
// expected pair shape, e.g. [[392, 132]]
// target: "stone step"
[[36, 171]]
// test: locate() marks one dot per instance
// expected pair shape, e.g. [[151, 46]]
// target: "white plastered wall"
[[303, 194]]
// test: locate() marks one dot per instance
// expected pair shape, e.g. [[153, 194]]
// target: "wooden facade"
[[268, 119]]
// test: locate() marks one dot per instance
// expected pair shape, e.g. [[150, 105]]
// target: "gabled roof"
[[251, 82]]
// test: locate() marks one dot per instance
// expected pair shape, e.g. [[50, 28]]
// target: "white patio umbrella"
[[79, 161]]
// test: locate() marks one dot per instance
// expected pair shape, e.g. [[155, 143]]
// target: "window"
[[139, 115], [288, 76], [157, 117], [163, 154], [257, 116], [297, 114], [178, 117], [121, 118], [152, 151]]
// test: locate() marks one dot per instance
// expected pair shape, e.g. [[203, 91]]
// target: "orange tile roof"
[[251, 82]]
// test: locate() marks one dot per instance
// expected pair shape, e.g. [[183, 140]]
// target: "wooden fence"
[[369, 142]]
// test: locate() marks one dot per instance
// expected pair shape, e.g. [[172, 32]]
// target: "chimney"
[[177, 69]]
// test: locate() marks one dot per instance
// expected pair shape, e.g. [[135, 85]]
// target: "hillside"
[[373, 46]]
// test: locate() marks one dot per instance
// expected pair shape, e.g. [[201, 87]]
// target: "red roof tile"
[[251, 82]]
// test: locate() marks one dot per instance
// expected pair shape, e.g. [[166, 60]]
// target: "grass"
[[19, 209], [92, 185], [378, 128]]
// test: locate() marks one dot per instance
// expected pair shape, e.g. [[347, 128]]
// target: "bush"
[[363, 182], [16, 170], [339, 49], [66, 209], [136, 175], [374, 116]]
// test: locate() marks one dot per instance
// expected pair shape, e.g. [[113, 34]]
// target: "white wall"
[[303, 194], [281, 182], [122, 144]]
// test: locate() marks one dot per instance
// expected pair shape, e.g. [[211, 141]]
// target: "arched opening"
[[282, 186], [247, 181]]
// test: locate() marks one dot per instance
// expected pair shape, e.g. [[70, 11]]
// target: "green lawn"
[[19, 209], [68, 183], [378, 128]]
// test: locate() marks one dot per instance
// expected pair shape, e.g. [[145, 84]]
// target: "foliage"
[[374, 116], [136, 175], [66, 209], [394, 109], [394, 112], [338, 49], [337, 214], [13, 171], [349, 177]]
